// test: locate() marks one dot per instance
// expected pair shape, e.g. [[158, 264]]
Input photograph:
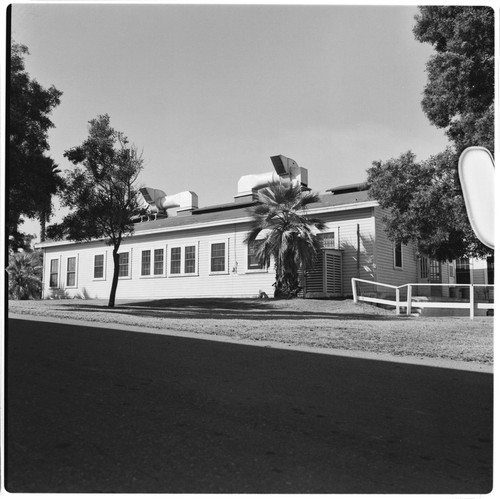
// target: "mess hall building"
[[181, 250]]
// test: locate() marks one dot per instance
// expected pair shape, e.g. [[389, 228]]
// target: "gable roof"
[[224, 214]]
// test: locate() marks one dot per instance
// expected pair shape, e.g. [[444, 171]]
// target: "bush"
[[25, 275]]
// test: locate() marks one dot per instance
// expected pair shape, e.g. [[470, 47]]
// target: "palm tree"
[[286, 233], [50, 183], [25, 275]]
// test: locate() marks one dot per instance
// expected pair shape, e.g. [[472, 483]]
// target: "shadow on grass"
[[227, 308]]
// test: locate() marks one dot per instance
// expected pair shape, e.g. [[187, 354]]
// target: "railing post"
[[471, 293], [408, 300], [397, 301], [354, 290]]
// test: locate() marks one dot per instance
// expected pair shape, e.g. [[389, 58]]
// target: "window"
[[99, 267], [424, 267], [123, 264], [175, 261], [327, 240], [71, 272], [54, 273], [462, 271], [146, 263], [153, 262], [190, 259], [158, 262], [183, 260], [218, 257], [490, 266], [253, 262], [398, 256]]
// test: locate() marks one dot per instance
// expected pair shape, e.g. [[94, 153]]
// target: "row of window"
[[182, 262]]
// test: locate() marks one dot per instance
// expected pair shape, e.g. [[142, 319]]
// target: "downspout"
[[357, 252], [44, 261], [235, 267]]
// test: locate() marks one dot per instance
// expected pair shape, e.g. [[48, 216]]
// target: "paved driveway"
[[100, 410]]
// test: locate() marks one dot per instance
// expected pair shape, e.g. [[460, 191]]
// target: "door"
[[435, 277]]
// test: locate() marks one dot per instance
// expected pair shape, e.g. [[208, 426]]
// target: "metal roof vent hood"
[[157, 202], [286, 170]]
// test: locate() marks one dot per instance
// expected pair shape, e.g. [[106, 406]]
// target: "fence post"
[[354, 290], [408, 300], [471, 293], [397, 301]]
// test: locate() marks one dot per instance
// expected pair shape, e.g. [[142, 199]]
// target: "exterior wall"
[[235, 281], [479, 271], [344, 225], [386, 272]]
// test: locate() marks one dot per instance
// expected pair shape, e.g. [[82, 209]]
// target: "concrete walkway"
[[110, 410]]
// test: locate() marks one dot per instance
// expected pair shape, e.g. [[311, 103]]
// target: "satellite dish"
[[476, 170]]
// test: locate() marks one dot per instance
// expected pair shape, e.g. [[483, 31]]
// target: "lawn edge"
[[384, 357]]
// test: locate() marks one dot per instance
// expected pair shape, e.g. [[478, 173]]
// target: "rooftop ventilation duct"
[[286, 170], [157, 202]]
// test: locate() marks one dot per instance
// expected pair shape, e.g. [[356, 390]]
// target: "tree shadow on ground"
[[227, 308]]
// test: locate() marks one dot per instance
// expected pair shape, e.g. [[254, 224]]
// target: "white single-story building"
[[180, 250]]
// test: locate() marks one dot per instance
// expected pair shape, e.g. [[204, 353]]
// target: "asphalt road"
[[100, 410]]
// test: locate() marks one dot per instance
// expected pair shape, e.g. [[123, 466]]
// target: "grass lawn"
[[318, 323]]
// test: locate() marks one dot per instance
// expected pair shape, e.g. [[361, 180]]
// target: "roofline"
[[216, 223]]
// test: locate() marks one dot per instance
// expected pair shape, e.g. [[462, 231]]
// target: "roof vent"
[[156, 202], [286, 170], [346, 189]]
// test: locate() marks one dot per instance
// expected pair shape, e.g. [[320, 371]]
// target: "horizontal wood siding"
[[375, 261], [384, 257], [235, 281], [345, 225]]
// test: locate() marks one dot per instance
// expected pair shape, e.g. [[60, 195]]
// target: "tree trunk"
[[43, 224], [287, 280], [114, 283]]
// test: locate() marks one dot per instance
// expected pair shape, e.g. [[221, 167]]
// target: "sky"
[[209, 92]]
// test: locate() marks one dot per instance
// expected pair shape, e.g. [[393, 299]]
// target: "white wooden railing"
[[410, 303]]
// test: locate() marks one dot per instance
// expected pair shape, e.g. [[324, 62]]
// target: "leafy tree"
[[424, 205], [459, 95], [280, 217], [101, 192], [32, 176], [424, 200], [25, 275]]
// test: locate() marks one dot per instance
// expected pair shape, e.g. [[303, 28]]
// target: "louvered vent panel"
[[333, 273], [314, 280]]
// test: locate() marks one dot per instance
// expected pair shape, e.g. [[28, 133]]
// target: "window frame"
[[424, 267], [103, 278], [182, 259], [57, 273], [195, 271], [145, 252], [129, 265], [394, 261], [75, 272], [151, 252], [225, 242], [451, 270], [254, 267], [325, 238], [153, 261]]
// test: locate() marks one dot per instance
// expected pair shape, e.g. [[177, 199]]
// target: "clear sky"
[[210, 92]]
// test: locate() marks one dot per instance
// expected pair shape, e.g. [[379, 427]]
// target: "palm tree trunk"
[[43, 225]]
